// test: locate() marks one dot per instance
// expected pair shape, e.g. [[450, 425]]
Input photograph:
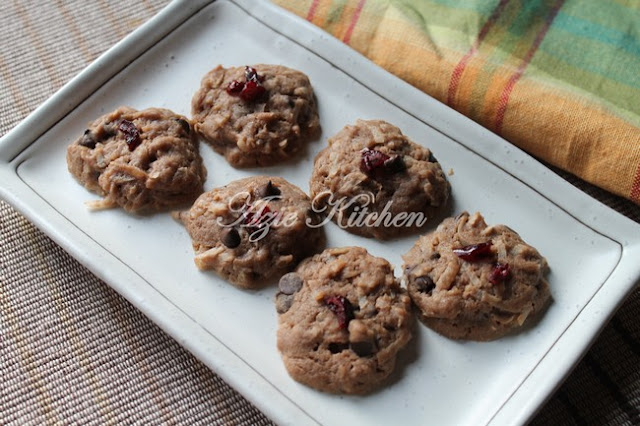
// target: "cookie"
[[140, 160], [473, 281], [343, 318], [253, 230], [374, 182], [255, 116]]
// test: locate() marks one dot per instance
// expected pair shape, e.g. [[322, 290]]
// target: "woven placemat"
[[74, 351]]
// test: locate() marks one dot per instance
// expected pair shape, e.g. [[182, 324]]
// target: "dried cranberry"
[[474, 252], [340, 306], [258, 219], [249, 90], [250, 74], [131, 133], [252, 91], [235, 87], [372, 160], [499, 273]]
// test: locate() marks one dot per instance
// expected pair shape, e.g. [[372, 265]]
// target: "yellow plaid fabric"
[[558, 78]]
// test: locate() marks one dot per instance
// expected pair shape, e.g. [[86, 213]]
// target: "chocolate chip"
[[435, 256], [395, 164], [283, 302], [185, 125], [432, 159], [362, 348], [425, 284], [290, 283], [230, 237], [269, 190], [337, 347], [87, 140]]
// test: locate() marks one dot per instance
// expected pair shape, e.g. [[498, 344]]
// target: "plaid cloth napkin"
[[558, 78]]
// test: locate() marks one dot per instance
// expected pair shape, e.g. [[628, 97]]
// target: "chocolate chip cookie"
[[255, 115], [375, 182], [253, 230], [140, 160], [473, 281], [343, 318]]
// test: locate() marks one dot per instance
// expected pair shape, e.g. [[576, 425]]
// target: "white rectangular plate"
[[592, 250]]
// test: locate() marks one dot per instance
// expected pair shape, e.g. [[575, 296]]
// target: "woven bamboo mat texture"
[[73, 351]]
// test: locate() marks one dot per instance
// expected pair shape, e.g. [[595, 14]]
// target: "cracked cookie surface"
[[252, 230], [343, 318], [371, 165], [140, 160], [474, 281], [264, 128]]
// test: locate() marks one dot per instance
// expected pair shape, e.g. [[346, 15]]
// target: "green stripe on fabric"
[[566, 56], [497, 52], [605, 13], [621, 99], [335, 12], [508, 44], [480, 7], [617, 38], [578, 52], [464, 21], [517, 30], [631, 4], [531, 13]]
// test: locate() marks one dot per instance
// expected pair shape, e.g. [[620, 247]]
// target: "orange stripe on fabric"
[[312, 10], [456, 75], [471, 90], [635, 189], [354, 20], [506, 92]]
